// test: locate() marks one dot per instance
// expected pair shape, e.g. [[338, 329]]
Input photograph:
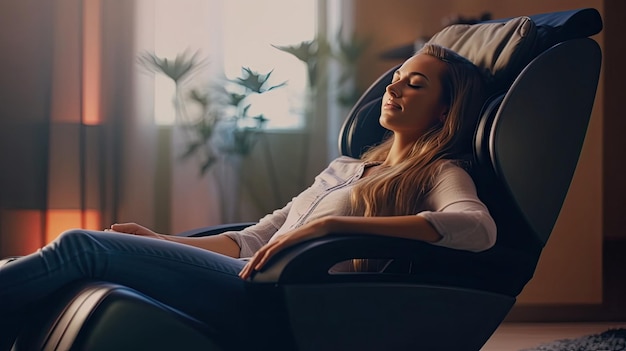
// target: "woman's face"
[[413, 102]]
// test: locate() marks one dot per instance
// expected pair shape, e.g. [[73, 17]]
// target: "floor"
[[516, 336], [519, 336]]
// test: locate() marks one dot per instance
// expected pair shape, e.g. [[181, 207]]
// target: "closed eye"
[[410, 85], [396, 78]]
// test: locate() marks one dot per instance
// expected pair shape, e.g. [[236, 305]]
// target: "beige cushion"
[[500, 49]]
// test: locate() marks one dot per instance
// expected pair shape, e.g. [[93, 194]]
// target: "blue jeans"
[[198, 282]]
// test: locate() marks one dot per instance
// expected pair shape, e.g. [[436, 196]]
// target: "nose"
[[392, 90]]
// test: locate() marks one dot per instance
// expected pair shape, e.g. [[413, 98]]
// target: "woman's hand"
[[308, 231], [134, 229]]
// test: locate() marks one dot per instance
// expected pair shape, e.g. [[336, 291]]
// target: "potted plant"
[[221, 129]]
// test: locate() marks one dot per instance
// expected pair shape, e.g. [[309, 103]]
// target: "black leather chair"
[[544, 72]]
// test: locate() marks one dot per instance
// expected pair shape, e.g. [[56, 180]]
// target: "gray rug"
[[610, 340]]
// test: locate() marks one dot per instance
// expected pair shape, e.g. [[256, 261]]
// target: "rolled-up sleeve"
[[254, 237], [456, 212]]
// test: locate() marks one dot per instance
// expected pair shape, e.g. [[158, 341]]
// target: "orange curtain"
[[60, 145]]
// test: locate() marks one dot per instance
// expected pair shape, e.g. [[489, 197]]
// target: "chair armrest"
[[309, 261], [501, 269], [216, 229]]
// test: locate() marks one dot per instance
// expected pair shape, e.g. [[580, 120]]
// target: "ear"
[[444, 115]]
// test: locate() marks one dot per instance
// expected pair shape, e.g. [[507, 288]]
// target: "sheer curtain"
[[232, 35], [26, 43], [64, 116], [82, 138]]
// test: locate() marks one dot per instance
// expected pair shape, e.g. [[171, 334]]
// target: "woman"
[[411, 186]]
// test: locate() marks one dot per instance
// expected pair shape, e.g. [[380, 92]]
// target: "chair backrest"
[[543, 73]]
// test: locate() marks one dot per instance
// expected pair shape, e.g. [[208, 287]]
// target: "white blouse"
[[452, 207]]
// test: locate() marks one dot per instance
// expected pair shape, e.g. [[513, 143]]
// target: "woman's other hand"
[[134, 229], [308, 231]]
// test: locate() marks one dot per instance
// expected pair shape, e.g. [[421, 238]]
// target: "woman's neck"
[[397, 153]]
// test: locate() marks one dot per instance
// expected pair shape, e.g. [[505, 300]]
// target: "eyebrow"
[[411, 74]]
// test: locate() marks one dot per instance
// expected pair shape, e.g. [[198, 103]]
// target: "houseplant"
[[217, 125]]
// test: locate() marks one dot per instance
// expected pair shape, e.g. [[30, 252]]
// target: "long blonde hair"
[[398, 190]]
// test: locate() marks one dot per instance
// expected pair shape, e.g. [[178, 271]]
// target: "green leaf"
[[183, 65], [305, 51], [244, 112], [255, 81], [205, 129], [236, 99], [261, 120], [191, 149], [206, 165], [200, 97]]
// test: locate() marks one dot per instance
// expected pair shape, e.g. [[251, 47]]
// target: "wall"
[[570, 269], [614, 121]]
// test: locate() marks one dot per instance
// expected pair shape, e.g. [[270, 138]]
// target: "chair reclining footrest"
[[104, 316]]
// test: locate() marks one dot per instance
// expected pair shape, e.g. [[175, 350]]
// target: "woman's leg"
[[198, 282]]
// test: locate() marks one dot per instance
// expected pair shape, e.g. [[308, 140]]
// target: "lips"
[[392, 105]]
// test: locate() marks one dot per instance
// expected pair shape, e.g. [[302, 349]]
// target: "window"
[[233, 34], [267, 23]]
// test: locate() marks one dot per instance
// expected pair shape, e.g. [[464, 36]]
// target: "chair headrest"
[[502, 48], [556, 27]]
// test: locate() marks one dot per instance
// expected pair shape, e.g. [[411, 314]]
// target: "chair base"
[[392, 317], [102, 316]]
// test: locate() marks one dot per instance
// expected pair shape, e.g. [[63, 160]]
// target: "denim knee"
[[73, 238]]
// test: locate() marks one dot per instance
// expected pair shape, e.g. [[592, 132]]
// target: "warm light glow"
[[91, 62], [59, 221], [21, 232]]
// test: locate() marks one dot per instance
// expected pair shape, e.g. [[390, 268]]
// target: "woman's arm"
[[232, 243], [410, 227], [217, 243], [254, 237], [457, 219], [457, 214], [407, 227]]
